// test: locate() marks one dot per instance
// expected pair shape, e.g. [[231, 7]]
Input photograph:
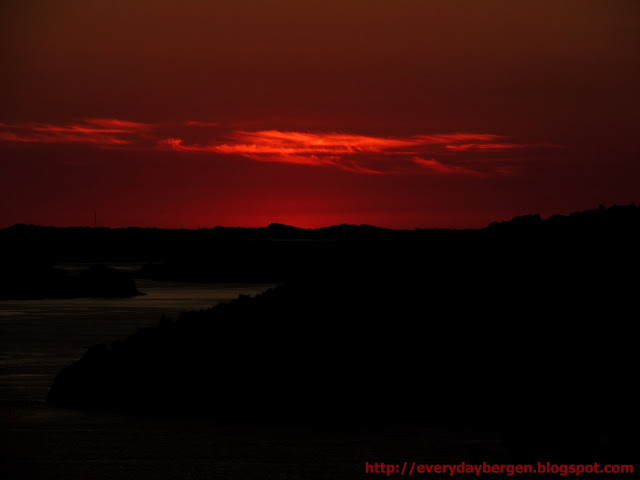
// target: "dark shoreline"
[[490, 329], [34, 281]]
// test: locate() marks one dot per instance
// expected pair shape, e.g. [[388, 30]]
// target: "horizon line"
[[362, 225]]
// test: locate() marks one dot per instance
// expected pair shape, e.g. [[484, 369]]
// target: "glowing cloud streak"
[[458, 153], [355, 153], [97, 131], [438, 167]]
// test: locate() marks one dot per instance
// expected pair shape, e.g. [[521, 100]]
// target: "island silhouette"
[[28, 279], [526, 327]]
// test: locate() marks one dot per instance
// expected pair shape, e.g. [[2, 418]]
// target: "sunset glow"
[[364, 154], [420, 114], [354, 153], [99, 131]]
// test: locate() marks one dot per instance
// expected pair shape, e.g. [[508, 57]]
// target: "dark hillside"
[[526, 327]]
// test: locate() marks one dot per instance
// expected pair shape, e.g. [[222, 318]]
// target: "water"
[[37, 441], [39, 337]]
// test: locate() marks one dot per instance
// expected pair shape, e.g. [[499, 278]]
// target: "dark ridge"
[[345, 229], [527, 327], [616, 218], [279, 228]]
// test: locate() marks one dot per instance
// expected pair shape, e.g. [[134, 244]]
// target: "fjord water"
[[39, 337], [37, 441]]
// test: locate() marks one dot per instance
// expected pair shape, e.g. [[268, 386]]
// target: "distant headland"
[[279, 252], [526, 327]]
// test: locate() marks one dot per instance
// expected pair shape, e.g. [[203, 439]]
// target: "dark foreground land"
[[525, 329]]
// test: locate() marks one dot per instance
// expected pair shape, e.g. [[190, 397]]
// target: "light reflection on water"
[[32, 329], [37, 441], [167, 297], [40, 337]]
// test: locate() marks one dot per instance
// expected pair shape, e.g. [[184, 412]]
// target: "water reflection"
[[39, 337]]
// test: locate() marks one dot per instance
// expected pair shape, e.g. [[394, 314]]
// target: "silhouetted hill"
[[99, 245], [348, 230], [526, 327], [602, 221], [279, 229]]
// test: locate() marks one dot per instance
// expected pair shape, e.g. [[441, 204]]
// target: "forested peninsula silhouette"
[[526, 327]]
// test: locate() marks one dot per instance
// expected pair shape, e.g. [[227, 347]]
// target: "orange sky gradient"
[[416, 113]]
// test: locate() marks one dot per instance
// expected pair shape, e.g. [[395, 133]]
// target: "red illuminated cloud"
[[118, 125], [456, 138], [286, 147], [438, 167], [484, 146], [456, 153], [356, 153], [338, 143], [98, 131]]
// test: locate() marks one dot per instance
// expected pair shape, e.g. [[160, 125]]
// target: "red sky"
[[402, 114]]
